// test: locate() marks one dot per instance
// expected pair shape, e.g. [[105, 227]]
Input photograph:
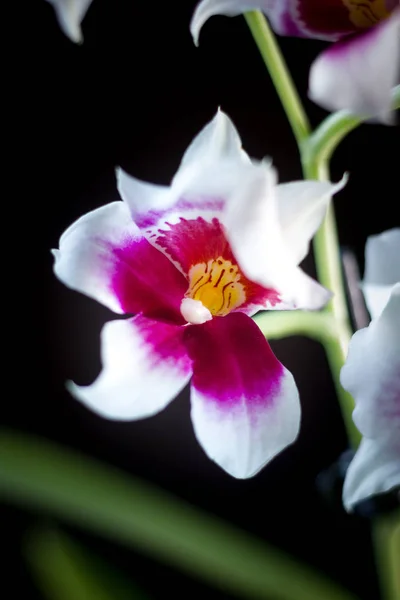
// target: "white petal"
[[372, 375], [218, 142], [279, 12], [142, 197], [376, 298], [382, 258], [359, 73], [302, 206], [207, 170], [245, 404], [84, 265], [208, 8], [145, 366], [375, 469], [70, 14], [382, 269], [252, 222], [372, 372]]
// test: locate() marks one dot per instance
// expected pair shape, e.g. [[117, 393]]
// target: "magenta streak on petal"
[[145, 281], [358, 41], [390, 392], [193, 241], [288, 27], [233, 364], [183, 206], [164, 342]]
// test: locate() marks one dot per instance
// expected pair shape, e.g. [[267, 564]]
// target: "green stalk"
[[316, 150], [280, 74], [38, 474], [326, 245], [279, 324], [329, 271], [324, 140]]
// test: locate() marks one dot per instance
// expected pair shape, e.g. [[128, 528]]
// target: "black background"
[[135, 94]]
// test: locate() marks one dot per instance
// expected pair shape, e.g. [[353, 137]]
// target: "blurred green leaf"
[[386, 532], [64, 571], [38, 474]]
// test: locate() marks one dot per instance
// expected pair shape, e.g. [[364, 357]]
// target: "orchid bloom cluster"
[[194, 261], [358, 71]]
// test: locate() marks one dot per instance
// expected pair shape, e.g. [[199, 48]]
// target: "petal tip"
[[199, 17], [73, 389]]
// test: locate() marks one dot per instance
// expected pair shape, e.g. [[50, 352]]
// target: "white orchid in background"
[[70, 14], [193, 261], [359, 70], [372, 375], [382, 269]]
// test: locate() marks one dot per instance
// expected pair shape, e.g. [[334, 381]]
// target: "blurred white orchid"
[[372, 375], [359, 70], [70, 14]]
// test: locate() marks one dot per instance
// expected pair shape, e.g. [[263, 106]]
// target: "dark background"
[[134, 95]]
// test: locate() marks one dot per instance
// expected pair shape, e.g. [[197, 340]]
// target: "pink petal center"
[[201, 249], [338, 18], [146, 282]]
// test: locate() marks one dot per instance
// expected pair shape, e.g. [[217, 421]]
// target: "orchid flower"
[[359, 70], [70, 14], [372, 375], [193, 261]]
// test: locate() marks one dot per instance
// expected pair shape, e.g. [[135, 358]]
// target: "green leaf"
[[38, 474], [64, 571], [386, 533]]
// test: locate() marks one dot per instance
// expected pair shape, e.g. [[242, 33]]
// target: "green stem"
[[37, 474], [316, 151], [280, 74], [326, 245], [327, 136], [278, 324], [329, 271]]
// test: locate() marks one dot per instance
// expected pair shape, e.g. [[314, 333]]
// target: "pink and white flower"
[[70, 14], [362, 66], [372, 375], [193, 262]]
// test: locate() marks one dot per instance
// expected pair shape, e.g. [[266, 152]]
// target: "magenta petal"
[[144, 280], [245, 404]]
